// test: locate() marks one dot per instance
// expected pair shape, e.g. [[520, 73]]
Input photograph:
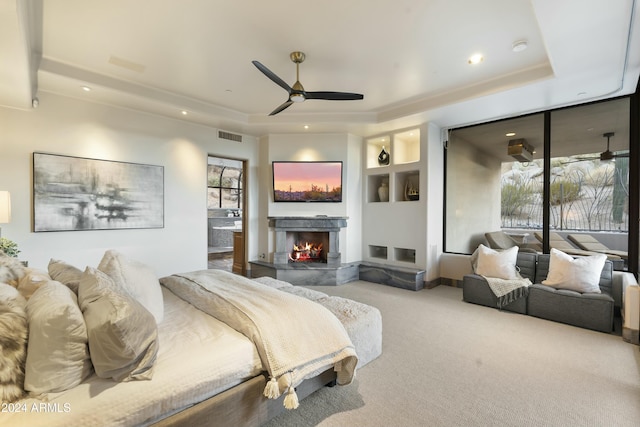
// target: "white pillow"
[[123, 335], [499, 264], [580, 274], [137, 278], [58, 353]]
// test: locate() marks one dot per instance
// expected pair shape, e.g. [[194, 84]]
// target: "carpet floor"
[[450, 363]]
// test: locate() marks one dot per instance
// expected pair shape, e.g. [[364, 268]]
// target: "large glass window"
[[495, 178]]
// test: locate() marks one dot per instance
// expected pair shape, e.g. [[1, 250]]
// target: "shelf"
[[405, 255], [374, 182], [407, 186], [378, 252], [406, 147], [374, 147]]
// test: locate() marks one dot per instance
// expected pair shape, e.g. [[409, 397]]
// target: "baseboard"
[[631, 335]]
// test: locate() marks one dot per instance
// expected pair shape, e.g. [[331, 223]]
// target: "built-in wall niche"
[[375, 147], [406, 147], [378, 188], [407, 186], [378, 252], [405, 255]]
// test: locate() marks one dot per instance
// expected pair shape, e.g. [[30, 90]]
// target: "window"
[[495, 177], [224, 184]]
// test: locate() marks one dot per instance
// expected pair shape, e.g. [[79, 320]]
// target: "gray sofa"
[[587, 310]]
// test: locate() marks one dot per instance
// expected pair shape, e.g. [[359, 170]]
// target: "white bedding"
[[198, 357]]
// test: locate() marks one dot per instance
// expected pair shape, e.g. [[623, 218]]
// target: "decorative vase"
[[383, 157], [383, 192]]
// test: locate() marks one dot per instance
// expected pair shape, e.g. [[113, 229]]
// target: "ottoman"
[[362, 322]]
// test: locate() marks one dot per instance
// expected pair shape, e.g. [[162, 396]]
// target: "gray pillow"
[[123, 335]]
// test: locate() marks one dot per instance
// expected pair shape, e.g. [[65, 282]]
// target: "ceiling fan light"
[[296, 97]]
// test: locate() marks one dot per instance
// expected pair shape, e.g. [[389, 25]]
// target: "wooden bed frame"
[[242, 405]]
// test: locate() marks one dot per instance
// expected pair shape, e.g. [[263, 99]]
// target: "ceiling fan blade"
[[267, 72], [334, 96], [283, 106], [621, 155]]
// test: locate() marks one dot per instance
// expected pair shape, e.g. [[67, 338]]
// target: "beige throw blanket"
[[508, 290], [296, 338]]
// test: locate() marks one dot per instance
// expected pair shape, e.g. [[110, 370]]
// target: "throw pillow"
[[58, 354], [499, 264], [123, 335], [32, 281], [137, 278], [65, 273], [13, 343], [580, 274]]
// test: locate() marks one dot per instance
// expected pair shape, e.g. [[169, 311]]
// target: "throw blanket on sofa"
[[508, 290], [296, 338]]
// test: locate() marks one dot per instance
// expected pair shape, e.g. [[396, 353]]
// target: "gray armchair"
[[501, 240]]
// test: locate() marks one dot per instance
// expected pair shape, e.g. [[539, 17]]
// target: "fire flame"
[[306, 251]]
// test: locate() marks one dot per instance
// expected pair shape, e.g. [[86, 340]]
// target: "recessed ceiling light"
[[184, 112], [519, 46], [306, 126], [476, 58], [86, 88], [510, 134]]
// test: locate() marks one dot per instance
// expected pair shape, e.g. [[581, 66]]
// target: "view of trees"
[[584, 194]]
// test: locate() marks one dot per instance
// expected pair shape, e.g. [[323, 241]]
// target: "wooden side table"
[[238, 253]]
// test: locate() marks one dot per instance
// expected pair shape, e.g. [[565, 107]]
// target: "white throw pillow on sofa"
[[580, 274], [136, 278], [499, 264]]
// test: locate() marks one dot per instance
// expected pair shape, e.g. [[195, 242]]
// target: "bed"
[[204, 369]]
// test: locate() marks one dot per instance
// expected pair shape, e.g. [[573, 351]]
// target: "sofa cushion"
[[586, 310], [581, 274]]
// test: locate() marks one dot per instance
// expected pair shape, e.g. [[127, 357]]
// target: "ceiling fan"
[[606, 155], [297, 92]]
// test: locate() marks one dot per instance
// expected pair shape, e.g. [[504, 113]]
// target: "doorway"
[[225, 214]]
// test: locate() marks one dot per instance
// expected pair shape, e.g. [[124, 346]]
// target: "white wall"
[[314, 147], [76, 128], [435, 200]]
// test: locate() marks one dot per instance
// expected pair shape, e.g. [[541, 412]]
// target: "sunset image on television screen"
[[307, 181]]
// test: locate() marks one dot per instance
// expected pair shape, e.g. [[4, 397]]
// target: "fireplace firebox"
[[307, 246]]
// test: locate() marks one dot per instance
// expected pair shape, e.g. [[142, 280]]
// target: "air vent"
[[230, 136]]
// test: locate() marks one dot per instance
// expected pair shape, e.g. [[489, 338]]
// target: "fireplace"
[[307, 246], [307, 252], [323, 232]]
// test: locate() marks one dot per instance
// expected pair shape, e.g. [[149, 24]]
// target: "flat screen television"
[[295, 181]]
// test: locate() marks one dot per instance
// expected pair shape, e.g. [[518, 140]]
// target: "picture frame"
[[78, 193]]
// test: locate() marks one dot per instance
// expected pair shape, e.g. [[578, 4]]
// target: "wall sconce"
[[5, 208]]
